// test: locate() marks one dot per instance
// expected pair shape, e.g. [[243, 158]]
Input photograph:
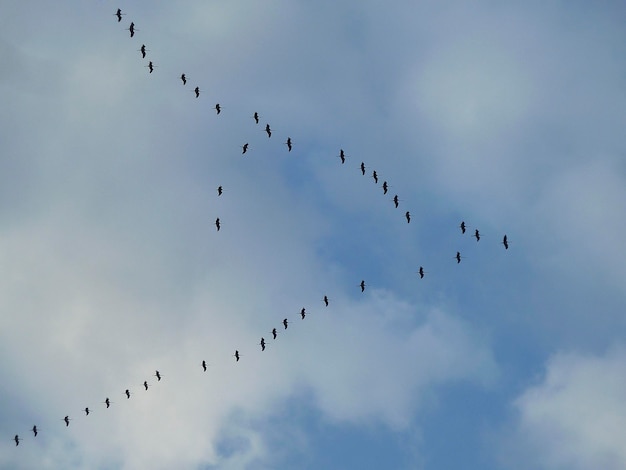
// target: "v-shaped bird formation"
[[303, 312]]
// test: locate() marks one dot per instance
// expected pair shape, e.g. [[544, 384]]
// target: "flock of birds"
[[245, 147]]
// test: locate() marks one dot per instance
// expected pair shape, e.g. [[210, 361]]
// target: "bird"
[[204, 365], [87, 411], [363, 168], [285, 323], [131, 28], [421, 272], [268, 130], [217, 224], [119, 14], [150, 66], [505, 242], [255, 116], [244, 148], [184, 79], [362, 285], [325, 300], [458, 257], [462, 226], [342, 155], [274, 333], [217, 108], [220, 190], [262, 343], [408, 217], [396, 200], [158, 375], [236, 355], [67, 420], [127, 393], [145, 384], [385, 186], [17, 440], [143, 50], [477, 235], [197, 91], [34, 430], [375, 176], [107, 402], [288, 143], [303, 313]]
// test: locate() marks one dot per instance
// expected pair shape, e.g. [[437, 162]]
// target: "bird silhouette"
[[217, 108], [151, 66], [132, 30], [408, 217], [255, 116], [505, 242], [385, 187], [158, 375], [145, 384], [220, 190], [86, 411], [143, 50], [34, 430], [244, 148], [288, 143], [303, 313], [236, 355], [127, 393], [197, 91], [342, 155], [184, 79], [268, 130], [396, 200], [107, 402], [375, 176], [67, 420], [421, 272], [285, 323], [262, 343], [217, 224], [458, 257], [17, 440], [274, 333], [119, 14], [362, 285], [477, 235], [462, 226], [325, 300], [204, 365], [362, 168]]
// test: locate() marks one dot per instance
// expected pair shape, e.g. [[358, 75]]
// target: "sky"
[[506, 115]]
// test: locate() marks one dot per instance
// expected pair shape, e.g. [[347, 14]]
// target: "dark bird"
[[462, 226], [303, 313], [204, 365], [421, 272], [363, 168], [396, 200], [107, 402], [86, 411], [255, 116], [288, 143], [119, 14], [150, 66], [158, 375], [197, 91], [218, 108], [408, 217], [362, 285], [274, 333], [143, 51], [34, 430], [220, 190], [342, 155], [385, 186], [285, 323], [184, 79], [145, 384], [131, 28], [505, 242], [245, 148], [127, 393], [17, 440], [325, 299], [458, 257], [262, 343], [217, 224], [477, 235], [236, 355], [67, 421], [375, 176], [268, 130]]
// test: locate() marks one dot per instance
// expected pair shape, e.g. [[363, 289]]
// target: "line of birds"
[[303, 313]]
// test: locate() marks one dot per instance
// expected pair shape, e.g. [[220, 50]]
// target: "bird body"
[[145, 384], [204, 365], [285, 323], [274, 333], [127, 393], [184, 79], [362, 168], [131, 28], [396, 200], [408, 217], [67, 421], [268, 130], [244, 148], [236, 355], [421, 272], [477, 235], [462, 226], [119, 14], [362, 285], [325, 300], [303, 313], [157, 374], [34, 430], [505, 242], [217, 108], [262, 343], [458, 257], [375, 176], [385, 187], [255, 116], [17, 440], [217, 224], [196, 90], [288, 143]]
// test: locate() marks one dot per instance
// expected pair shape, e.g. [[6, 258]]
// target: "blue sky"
[[507, 116]]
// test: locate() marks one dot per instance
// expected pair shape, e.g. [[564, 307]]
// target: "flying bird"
[[217, 224], [255, 116], [127, 393], [197, 91], [218, 108], [477, 235], [458, 257], [184, 79], [462, 226], [325, 300], [17, 440], [303, 313], [505, 242], [158, 375], [131, 28], [67, 420], [86, 411], [288, 143], [145, 384], [119, 14], [363, 168], [34, 430], [204, 365], [285, 323], [375, 176], [385, 186], [245, 148], [236, 355], [150, 66], [268, 130], [362, 285], [408, 217], [143, 50], [274, 333], [396, 200], [107, 402], [262, 343], [342, 155], [220, 190], [421, 272]]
